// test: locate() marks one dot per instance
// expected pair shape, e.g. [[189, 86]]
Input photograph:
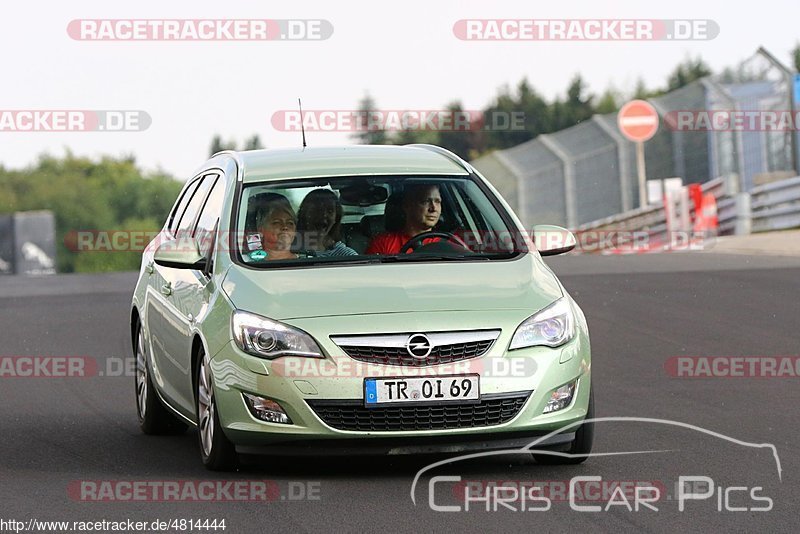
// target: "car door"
[[171, 309]]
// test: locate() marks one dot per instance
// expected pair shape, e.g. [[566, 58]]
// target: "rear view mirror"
[[552, 240], [363, 194], [179, 254]]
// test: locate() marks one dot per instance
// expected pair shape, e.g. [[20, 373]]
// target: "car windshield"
[[376, 219]]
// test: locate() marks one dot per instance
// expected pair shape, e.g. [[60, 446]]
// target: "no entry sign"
[[638, 120]]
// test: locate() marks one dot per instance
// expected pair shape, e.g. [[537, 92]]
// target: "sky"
[[404, 54]]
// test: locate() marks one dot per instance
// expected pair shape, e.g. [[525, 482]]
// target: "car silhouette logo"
[[419, 346]]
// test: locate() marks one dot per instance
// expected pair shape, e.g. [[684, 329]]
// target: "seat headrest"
[[372, 225]]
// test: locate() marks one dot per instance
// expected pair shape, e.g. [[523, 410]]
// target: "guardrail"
[[651, 219], [776, 206], [726, 215]]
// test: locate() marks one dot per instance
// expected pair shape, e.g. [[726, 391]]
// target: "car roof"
[[352, 160]]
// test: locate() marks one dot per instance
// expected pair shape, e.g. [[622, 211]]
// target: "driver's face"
[[424, 208]]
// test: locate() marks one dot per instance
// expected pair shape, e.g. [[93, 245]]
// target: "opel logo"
[[419, 346]]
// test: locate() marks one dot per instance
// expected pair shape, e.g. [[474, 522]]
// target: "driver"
[[422, 206]]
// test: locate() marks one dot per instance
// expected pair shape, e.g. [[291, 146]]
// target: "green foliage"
[[538, 116], [796, 58], [609, 102], [86, 195], [365, 134], [687, 72], [103, 260], [536, 113], [462, 138], [254, 143], [218, 145]]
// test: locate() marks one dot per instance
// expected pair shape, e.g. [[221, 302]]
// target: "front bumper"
[[296, 382], [477, 442]]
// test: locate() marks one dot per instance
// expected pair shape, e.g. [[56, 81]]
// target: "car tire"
[[216, 450], [154, 418], [581, 445]]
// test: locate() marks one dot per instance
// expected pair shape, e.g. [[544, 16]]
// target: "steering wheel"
[[417, 240]]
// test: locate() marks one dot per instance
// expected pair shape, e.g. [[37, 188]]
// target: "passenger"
[[319, 223], [277, 226], [422, 207]]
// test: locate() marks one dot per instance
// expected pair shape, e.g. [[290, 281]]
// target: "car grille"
[[393, 349], [353, 415], [400, 356]]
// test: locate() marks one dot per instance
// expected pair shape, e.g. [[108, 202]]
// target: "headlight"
[[551, 327], [265, 338]]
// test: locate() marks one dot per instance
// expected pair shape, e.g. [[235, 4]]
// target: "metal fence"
[[775, 206], [769, 207], [588, 172]]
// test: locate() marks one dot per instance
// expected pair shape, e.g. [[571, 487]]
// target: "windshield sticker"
[[254, 241]]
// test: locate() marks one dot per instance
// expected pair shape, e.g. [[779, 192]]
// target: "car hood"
[[295, 293]]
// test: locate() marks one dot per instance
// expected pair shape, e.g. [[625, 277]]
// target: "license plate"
[[430, 390]]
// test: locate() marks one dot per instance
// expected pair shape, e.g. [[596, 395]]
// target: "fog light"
[[560, 398], [266, 410]]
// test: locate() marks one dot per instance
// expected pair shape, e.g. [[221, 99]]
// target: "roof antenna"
[[302, 127]]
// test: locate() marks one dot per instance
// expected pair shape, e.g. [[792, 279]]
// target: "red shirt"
[[391, 243]]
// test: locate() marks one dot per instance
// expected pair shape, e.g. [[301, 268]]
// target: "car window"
[[327, 220], [198, 197], [209, 216], [180, 207]]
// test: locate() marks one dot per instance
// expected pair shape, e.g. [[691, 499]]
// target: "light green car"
[[359, 299]]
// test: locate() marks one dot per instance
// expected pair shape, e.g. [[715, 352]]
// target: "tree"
[[217, 145], [641, 91], [461, 138], [367, 133], [91, 196], [502, 128], [576, 108], [254, 143], [796, 58], [608, 102], [687, 72], [410, 136]]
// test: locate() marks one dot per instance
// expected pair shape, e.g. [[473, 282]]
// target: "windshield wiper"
[[306, 262], [431, 257]]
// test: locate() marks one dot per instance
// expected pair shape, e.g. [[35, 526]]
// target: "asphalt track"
[[642, 310]]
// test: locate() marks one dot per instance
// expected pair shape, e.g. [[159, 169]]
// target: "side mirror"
[[551, 240], [180, 254]]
